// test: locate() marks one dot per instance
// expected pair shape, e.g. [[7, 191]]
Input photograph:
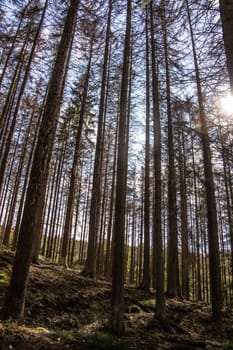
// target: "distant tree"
[[13, 42], [19, 172], [228, 189], [53, 192], [7, 143]]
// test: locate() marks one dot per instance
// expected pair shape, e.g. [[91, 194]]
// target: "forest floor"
[[67, 311]]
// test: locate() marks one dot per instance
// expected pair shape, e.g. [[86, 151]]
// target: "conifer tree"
[[15, 300], [117, 304], [226, 12]]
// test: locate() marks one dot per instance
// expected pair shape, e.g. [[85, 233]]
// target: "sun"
[[227, 105]]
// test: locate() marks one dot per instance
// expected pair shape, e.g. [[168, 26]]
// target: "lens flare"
[[227, 105]]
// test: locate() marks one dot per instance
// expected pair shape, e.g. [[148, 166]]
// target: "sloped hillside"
[[67, 311]]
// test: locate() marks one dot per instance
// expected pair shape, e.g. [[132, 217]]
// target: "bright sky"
[[226, 104]]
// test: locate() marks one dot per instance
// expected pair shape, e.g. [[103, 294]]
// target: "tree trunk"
[[172, 258], [90, 265], [229, 204], [108, 256], [15, 301], [183, 211], [158, 258], [214, 258], [146, 263], [70, 202], [17, 184], [117, 303], [226, 12], [28, 168], [197, 255]]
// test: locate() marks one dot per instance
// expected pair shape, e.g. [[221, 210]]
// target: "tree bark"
[[117, 303], [213, 244], [15, 301], [90, 265], [70, 202], [158, 258], [172, 255], [183, 209], [226, 12], [146, 263]]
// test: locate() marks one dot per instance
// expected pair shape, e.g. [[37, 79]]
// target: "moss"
[[64, 336], [4, 279], [42, 329]]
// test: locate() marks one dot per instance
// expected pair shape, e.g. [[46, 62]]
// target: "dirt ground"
[[67, 311]]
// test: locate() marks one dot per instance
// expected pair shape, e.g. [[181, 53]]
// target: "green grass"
[[64, 336]]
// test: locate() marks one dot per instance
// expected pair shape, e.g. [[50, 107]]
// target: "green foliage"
[[8, 322], [64, 336], [4, 279]]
